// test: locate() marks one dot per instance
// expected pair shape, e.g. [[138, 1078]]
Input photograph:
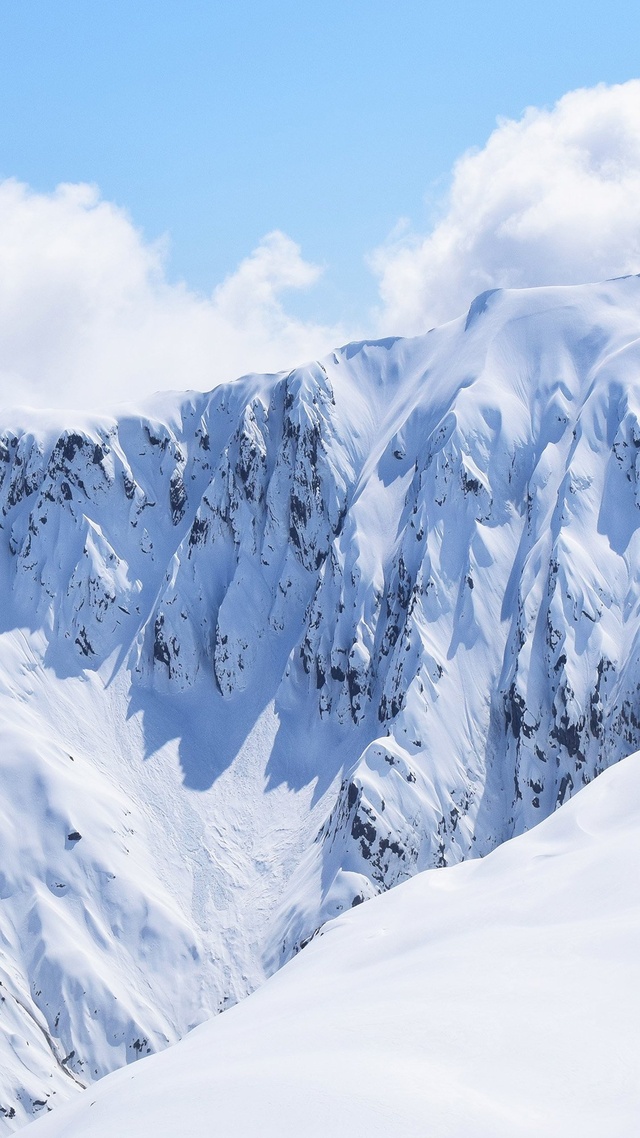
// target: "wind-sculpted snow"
[[321, 631]]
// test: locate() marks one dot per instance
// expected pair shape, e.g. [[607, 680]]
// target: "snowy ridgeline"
[[272, 650]]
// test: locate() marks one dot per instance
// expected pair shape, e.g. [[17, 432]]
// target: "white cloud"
[[87, 316], [551, 199]]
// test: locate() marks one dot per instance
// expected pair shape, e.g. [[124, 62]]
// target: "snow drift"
[[497, 998]]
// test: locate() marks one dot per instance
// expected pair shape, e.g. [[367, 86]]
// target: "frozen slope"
[[273, 649], [497, 998], [114, 944]]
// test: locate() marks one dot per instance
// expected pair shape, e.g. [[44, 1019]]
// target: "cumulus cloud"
[[87, 316], [553, 198]]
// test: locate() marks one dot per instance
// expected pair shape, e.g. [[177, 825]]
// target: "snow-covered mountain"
[[497, 998], [268, 651]]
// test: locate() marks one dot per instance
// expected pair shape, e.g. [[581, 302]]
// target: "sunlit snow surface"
[[269, 651], [497, 998]]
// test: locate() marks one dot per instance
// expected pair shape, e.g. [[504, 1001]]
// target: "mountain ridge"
[[317, 631]]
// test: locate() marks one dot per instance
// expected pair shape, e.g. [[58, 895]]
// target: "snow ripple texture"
[[300, 638]]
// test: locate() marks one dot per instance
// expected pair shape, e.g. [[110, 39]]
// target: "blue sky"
[[217, 121]]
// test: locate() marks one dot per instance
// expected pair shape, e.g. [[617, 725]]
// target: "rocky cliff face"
[[421, 555]]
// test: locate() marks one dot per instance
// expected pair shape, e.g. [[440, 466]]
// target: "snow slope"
[[497, 998], [274, 649]]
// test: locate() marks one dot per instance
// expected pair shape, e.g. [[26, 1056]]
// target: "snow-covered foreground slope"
[[497, 998], [273, 649]]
